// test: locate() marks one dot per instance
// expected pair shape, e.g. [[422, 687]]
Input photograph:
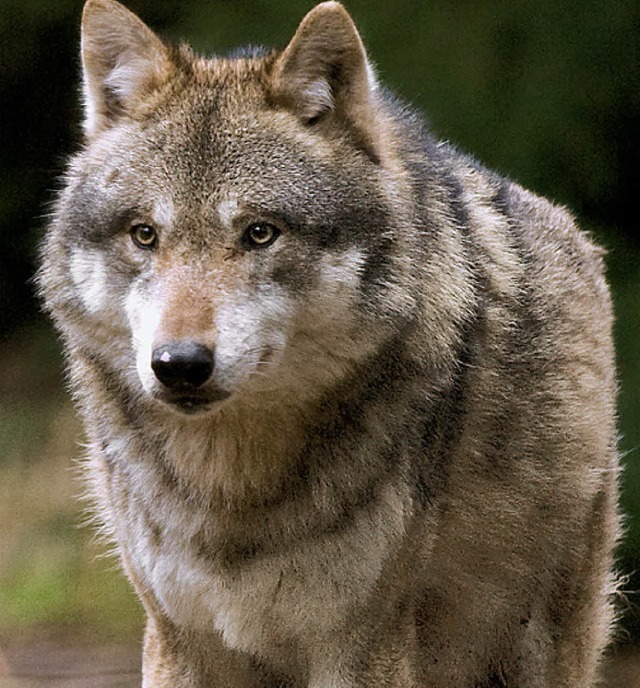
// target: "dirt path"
[[52, 665]]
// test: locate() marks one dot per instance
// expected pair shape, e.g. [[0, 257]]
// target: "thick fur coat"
[[349, 395]]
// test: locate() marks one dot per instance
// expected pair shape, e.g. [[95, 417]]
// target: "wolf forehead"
[[205, 151], [200, 135], [218, 182]]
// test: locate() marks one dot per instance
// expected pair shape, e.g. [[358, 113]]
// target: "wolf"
[[349, 396]]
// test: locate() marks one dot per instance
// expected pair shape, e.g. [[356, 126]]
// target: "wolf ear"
[[325, 69], [122, 61]]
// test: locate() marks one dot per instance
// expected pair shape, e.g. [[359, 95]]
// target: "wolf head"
[[230, 226]]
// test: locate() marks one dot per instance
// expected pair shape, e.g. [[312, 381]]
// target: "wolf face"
[[225, 241]]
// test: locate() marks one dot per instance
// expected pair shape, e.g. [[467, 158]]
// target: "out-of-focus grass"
[[51, 574]]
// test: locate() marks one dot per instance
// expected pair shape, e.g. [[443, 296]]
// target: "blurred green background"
[[546, 92]]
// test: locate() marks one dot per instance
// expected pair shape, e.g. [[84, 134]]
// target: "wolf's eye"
[[261, 234], [144, 236]]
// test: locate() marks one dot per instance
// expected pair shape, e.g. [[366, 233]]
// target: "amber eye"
[[144, 236], [261, 234]]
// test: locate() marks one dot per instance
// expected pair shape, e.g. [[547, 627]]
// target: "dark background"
[[546, 92]]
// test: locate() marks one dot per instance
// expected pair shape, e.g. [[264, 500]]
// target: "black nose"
[[182, 365]]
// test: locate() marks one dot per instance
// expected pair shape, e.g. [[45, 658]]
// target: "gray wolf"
[[349, 395]]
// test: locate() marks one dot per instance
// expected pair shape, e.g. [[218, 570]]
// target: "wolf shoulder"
[[555, 257]]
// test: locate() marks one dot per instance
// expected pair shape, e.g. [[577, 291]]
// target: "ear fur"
[[325, 69], [122, 61]]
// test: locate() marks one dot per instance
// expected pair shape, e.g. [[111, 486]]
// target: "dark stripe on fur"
[[444, 425], [286, 521], [112, 382]]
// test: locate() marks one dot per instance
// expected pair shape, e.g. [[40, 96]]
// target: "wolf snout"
[[182, 365]]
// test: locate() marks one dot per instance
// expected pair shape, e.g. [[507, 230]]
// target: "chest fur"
[[269, 592]]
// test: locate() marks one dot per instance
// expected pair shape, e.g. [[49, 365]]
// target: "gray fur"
[[413, 479]]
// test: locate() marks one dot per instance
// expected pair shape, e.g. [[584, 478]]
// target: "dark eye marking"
[[144, 236]]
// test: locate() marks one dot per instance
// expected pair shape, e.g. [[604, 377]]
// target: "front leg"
[[178, 658], [174, 658], [380, 656], [399, 673]]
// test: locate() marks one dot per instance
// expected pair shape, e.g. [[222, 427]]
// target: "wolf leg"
[[176, 659], [400, 675], [375, 658]]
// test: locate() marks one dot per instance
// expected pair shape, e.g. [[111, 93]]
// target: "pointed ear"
[[325, 69], [122, 61]]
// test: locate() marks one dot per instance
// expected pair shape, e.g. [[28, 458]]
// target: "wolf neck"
[[250, 449], [244, 449]]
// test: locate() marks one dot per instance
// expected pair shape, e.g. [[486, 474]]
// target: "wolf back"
[[349, 396]]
